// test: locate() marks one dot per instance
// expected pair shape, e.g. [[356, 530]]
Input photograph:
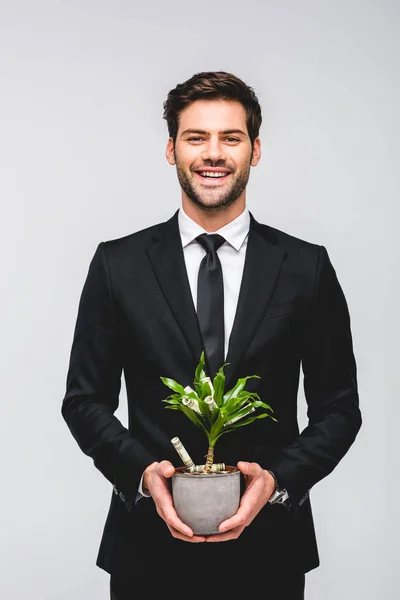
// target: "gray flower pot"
[[204, 500]]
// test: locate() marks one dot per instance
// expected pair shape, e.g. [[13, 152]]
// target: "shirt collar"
[[234, 232]]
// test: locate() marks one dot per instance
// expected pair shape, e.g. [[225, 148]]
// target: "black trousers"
[[286, 586]]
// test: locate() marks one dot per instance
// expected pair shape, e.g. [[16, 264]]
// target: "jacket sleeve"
[[331, 391], [93, 386]]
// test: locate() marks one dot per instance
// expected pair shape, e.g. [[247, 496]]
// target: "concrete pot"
[[204, 500]]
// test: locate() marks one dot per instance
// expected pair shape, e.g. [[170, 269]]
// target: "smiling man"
[[212, 278], [213, 154]]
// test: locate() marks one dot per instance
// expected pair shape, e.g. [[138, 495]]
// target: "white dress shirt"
[[232, 255]]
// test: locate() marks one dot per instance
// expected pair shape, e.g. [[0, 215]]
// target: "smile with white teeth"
[[212, 174]]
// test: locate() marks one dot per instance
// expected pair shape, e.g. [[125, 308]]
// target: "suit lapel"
[[261, 270], [167, 259], [260, 274]]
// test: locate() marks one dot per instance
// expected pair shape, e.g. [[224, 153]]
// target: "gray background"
[[82, 146]]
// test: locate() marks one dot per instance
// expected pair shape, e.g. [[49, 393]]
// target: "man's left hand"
[[260, 485]]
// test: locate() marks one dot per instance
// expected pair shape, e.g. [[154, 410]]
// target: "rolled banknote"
[[191, 403], [238, 417], [211, 402], [183, 453], [189, 390], [215, 467]]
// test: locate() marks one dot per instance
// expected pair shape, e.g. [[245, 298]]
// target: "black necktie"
[[210, 302]]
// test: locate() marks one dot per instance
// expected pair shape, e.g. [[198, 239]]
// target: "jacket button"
[[121, 495], [115, 490]]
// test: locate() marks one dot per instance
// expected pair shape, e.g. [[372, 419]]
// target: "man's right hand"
[[155, 480]]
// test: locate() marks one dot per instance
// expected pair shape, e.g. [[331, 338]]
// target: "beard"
[[213, 200]]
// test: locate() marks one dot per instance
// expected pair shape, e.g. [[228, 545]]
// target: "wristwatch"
[[280, 495]]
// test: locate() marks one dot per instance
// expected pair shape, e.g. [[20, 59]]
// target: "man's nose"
[[213, 150]]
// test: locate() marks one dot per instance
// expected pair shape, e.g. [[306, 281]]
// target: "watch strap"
[[280, 495]]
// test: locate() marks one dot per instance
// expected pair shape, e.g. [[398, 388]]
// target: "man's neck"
[[212, 221]]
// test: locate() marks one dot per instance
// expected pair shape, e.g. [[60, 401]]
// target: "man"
[[284, 309]]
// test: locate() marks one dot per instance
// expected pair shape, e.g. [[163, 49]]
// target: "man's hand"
[[155, 480], [260, 485]]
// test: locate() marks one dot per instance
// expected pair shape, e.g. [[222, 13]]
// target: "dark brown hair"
[[212, 85]]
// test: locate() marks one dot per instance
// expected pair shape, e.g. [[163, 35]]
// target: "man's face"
[[213, 153]]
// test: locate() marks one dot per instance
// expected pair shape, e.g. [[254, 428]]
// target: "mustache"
[[213, 166]]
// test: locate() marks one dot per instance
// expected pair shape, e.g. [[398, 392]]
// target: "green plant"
[[212, 409]]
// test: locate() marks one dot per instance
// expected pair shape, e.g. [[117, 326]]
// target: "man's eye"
[[228, 139]]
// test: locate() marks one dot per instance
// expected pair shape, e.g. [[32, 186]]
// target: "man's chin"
[[213, 205]]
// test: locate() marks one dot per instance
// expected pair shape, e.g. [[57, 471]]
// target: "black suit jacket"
[[136, 316]]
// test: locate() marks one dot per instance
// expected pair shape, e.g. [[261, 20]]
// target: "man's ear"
[[256, 152], [170, 151]]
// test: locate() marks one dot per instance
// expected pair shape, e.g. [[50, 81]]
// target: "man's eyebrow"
[[222, 132]]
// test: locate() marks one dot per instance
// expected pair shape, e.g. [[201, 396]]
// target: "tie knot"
[[210, 241]]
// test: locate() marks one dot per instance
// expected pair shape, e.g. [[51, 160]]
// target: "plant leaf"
[[199, 368], [194, 417], [238, 387], [247, 421], [217, 427], [172, 400], [171, 397], [173, 385], [219, 383], [259, 403]]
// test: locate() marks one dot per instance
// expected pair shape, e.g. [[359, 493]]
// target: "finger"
[[232, 523], [166, 469], [185, 538], [251, 469], [232, 534], [171, 518]]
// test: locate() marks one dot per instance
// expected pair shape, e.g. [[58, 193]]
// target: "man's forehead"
[[213, 116]]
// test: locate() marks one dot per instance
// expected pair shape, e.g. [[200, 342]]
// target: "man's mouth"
[[213, 177]]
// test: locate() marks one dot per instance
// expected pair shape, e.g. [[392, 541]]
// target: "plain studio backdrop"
[[82, 160]]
